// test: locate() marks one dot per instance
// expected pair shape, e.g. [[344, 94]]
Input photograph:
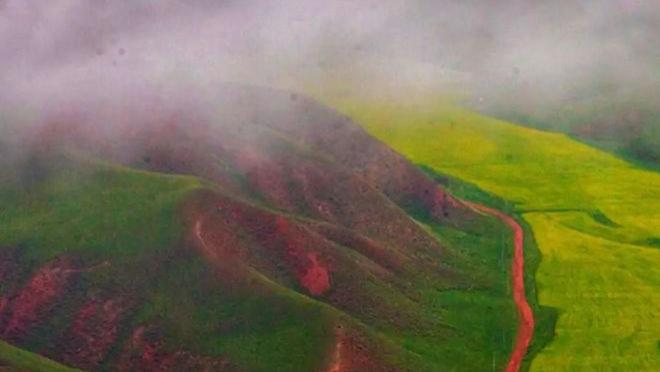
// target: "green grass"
[[598, 267], [22, 360], [92, 209], [474, 337], [260, 325]]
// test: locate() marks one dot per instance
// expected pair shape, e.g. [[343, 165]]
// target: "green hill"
[[622, 121], [292, 241]]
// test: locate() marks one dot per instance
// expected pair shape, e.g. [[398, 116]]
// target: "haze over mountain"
[[176, 193], [516, 59], [556, 47]]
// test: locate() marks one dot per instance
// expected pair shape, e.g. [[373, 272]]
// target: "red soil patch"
[[36, 299], [228, 231], [93, 332], [144, 351], [311, 273], [526, 317], [315, 278]]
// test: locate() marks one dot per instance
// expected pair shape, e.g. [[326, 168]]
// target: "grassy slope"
[[91, 208], [478, 340], [470, 339], [481, 318], [259, 327], [545, 317], [103, 212], [603, 277], [23, 360]]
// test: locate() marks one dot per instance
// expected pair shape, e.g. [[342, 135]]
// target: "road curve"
[[525, 315]]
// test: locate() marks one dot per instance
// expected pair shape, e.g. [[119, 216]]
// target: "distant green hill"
[[624, 123]]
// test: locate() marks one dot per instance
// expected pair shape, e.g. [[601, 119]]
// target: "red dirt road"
[[526, 317]]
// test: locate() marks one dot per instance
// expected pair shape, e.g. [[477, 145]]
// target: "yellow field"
[[595, 217]]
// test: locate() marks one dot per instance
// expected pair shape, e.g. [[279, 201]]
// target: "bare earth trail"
[[526, 317]]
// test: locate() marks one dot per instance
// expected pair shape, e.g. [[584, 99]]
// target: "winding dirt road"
[[525, 315]]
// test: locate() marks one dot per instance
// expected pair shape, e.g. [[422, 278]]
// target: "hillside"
[[595, 218], [272, 235], [624, 123]]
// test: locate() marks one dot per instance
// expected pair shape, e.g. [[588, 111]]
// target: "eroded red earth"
[[94, 331], [292, 244], [34, 301], [96, 323]]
